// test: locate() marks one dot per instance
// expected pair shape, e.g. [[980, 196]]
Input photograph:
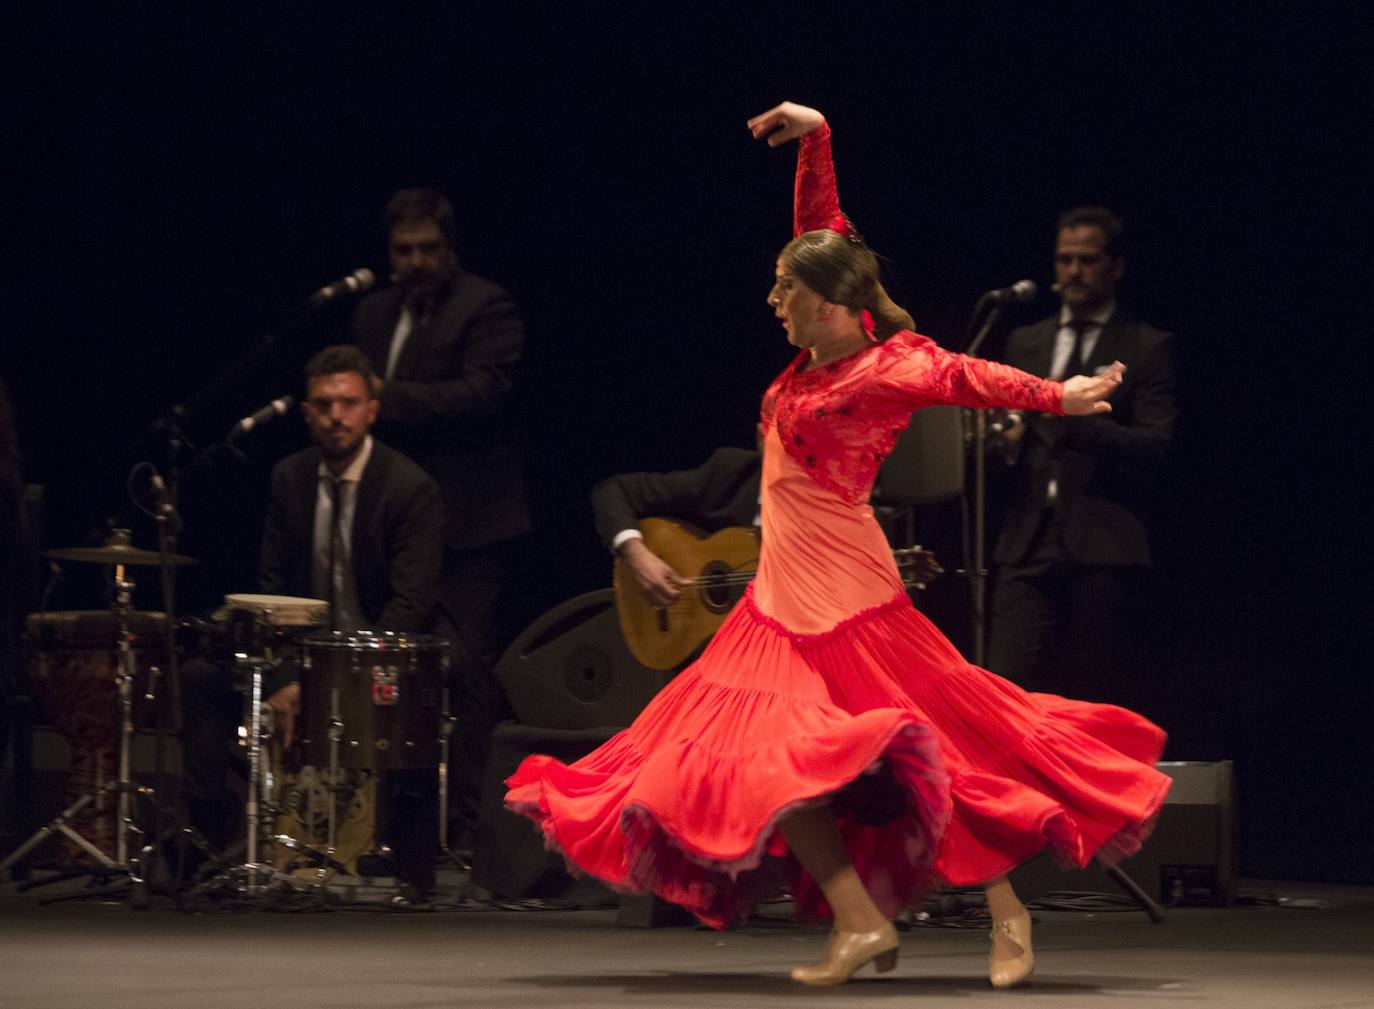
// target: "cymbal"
[[117, 553]]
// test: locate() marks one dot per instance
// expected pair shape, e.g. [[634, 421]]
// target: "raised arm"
[[816, 200]]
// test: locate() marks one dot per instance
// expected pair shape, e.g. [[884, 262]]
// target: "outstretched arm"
[[925, 374]]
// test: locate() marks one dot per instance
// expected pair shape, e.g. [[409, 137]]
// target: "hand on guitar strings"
[[659, 583]]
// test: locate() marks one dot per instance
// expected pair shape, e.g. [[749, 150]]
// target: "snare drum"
[[384, 689], [72, 661]]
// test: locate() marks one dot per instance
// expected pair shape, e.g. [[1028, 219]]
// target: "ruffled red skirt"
[[686, 801]]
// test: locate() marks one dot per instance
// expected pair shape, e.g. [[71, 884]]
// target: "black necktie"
[[1077, 364], [335, 548]]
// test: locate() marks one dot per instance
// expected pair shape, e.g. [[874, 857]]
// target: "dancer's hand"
[[784, 122], [656, 579], [1087, 394]]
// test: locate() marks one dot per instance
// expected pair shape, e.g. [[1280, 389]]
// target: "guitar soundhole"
[[721, 586]]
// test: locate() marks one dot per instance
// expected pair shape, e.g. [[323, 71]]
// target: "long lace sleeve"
[[917, 372], [816, 198]]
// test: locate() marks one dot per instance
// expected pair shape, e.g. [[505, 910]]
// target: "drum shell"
[[389, 693], [72, 665]]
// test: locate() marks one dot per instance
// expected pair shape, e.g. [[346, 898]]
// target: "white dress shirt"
[[1063, 350], [1063, 340], [404, 326]]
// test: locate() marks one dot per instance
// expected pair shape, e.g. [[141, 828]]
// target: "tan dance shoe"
[[1011, 959], [847, 952]]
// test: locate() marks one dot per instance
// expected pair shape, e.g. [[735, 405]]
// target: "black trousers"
[[1063, 628], [482, 612]]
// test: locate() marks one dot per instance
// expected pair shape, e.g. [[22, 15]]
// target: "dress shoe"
[[1011, 959], [847, 952]]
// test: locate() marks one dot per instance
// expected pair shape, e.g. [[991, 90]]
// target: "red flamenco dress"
[[826, 685]]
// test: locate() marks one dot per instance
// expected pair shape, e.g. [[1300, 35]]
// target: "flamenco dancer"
[[828, 719]]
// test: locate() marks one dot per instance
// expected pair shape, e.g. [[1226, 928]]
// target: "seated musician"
[[720, 493], [352, 522]]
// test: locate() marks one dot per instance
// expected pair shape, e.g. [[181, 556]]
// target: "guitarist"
[[720, 493]]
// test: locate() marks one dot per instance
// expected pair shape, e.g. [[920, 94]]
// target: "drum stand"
[[447, 722], [122, 788], [252, 878]]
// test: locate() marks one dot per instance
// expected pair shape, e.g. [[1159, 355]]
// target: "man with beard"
[[357, 524], [446, 345], [1073, 549]]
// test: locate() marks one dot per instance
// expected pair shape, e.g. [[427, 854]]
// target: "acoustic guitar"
[[716, 568]]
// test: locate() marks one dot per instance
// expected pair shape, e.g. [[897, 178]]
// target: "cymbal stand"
[[255, 763], [447, 723]]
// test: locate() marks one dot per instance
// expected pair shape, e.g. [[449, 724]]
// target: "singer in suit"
[[720, 493], [356, 523], [446, 345], [1073, 549]]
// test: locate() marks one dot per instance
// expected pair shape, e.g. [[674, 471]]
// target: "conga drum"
[[72, 662]]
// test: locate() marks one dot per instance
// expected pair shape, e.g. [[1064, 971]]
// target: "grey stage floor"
[[108, 956]]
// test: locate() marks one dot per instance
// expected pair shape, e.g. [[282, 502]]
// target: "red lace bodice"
[[841, 420]]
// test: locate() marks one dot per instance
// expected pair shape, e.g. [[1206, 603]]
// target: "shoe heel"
[[885, 961]]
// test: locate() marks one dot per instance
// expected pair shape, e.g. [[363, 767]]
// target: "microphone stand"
[[978, 573], [216, 390], [168, 526], [171, 429]]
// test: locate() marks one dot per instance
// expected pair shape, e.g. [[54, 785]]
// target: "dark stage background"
[[185, 179]]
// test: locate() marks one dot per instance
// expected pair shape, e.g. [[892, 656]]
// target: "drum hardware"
[[370, 703], [446, 722], [373, 701], [254, 626], [118, 550], [254, 877], [123, 788]]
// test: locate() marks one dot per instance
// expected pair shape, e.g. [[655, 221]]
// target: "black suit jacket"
[[722, 492], [1106, 466], [449, 404], [397, 537]]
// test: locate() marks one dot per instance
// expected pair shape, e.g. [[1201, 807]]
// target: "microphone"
[[1022, 290], [166, 512], [164, 499], [273, 409], [357, 282]]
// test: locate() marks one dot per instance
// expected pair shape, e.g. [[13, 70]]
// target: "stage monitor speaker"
[[1190, 858], [511, 860], [927, 463], [571, 669]]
